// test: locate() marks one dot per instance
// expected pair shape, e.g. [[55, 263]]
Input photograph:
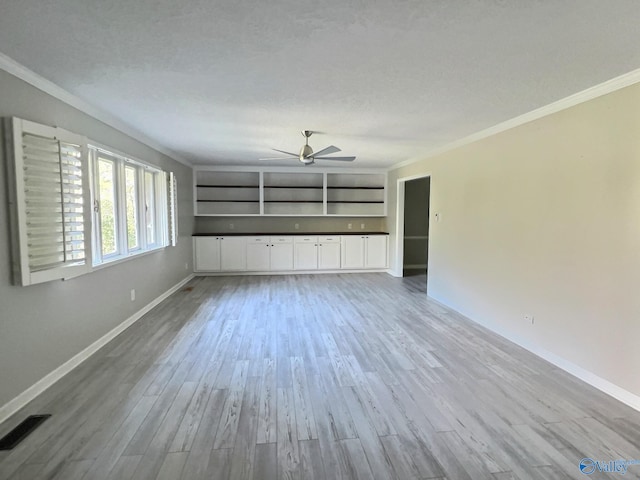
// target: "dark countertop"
[[264, 234]]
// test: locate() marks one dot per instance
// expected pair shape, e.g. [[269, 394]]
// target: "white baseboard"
[[289, 272], [577, 371], [592, 379], [41, 385]]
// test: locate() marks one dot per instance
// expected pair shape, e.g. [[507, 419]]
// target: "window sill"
[[119, 260]]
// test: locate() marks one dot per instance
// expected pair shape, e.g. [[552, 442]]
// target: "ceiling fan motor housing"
[[306, 153]]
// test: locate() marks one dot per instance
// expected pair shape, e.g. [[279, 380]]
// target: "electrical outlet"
[[231, 226], [133, 294], [362, 226], [297, 226], [349, 226], [529, 319], [186, 266]]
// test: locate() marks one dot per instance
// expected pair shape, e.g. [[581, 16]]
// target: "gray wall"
[[43, 326], [287, 224], [416, 221]]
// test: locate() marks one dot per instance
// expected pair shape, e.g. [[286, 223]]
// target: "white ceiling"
[[224, 81]]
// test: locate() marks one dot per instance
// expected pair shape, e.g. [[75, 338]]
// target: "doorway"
[[412, 246]]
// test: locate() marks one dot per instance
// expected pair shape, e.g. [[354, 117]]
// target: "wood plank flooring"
[[354, 376]]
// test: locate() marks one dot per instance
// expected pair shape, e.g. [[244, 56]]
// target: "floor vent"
[[15, 436]]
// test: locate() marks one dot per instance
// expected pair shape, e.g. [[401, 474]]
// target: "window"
[[107, 211], [55, 178], [130, 203]]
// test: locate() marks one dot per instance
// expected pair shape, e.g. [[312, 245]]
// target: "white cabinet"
[[306, 253], [313, 253], [281, 253], [206, 252], [258, 254], [233, 254], [352, 251], [329, 252], [220, 254], [364, 251], [266, 254], [289, 253], [375, 249]]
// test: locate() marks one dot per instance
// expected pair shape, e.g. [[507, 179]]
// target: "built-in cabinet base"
[[290, 254]]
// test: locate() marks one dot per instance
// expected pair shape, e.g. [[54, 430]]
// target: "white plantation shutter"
[[172, 209], [50, 203]]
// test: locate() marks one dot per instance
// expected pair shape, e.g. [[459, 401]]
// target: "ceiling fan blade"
[[286, 153], [275, 158], [324, 151], [340, 159]]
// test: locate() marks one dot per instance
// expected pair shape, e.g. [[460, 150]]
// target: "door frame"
[[399, 250]]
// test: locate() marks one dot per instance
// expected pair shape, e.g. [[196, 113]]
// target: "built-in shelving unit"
[[227, 193], [293, 193], [223, 191], [356, 194]]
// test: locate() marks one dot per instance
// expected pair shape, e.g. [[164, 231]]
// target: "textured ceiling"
[[224, 81]]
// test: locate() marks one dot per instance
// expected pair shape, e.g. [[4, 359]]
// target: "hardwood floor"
[[354, 376]]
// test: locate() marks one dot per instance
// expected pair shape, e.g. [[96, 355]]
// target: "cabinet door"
[[329, 256], [352, 251], [281, 256], [207, 254], [258, 256], [306, 253], [233, 254], [376, 251]]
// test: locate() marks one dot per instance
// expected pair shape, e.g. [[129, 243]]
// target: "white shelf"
[[224, 191], [356, 194], [293, 193]]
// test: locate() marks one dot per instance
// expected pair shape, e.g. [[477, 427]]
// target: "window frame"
[[161, 208]]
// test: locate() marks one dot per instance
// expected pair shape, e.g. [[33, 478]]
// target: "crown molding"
[[590, 93], [18, 70]]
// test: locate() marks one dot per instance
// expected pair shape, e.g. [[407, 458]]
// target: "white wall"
[[43, 326], [544, 219]]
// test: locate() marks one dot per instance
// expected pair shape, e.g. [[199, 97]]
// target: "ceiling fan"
[[307, 155]]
